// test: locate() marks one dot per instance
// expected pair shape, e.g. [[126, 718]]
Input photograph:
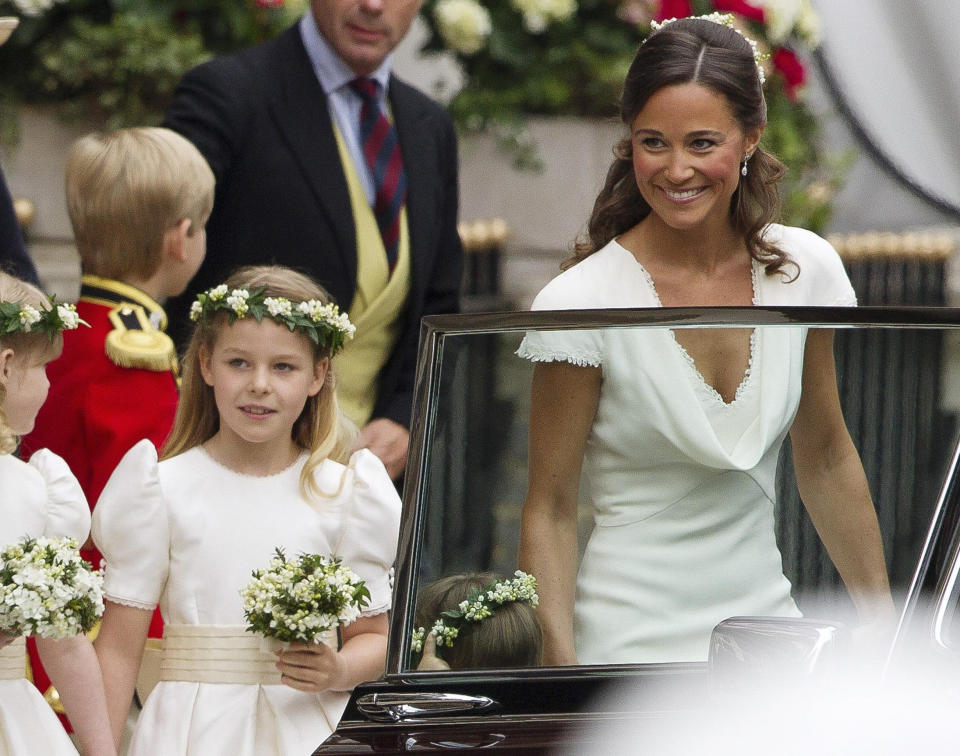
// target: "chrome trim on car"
[[406, 707]]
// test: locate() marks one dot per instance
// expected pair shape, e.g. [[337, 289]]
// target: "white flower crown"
[[24, 318], [321, 321], [478, 605], [724, 19]]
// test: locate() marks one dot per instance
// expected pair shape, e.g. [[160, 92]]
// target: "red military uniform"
[[114, 384]]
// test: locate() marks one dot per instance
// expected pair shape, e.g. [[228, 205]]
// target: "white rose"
[[781, 16], [538, 14], [808, 25], [463, 24]]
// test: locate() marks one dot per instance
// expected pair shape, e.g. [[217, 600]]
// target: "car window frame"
[[436, 328]]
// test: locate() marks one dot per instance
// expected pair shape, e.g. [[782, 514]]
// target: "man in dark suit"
[[14, 258], [279, 125]]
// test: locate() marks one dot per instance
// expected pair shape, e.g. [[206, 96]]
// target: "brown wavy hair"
[[510, 637], [714, 56], [321, 429], [36, 347]]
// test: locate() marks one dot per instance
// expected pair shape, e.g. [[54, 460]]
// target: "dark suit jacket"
[[260, 118], [13, 252]]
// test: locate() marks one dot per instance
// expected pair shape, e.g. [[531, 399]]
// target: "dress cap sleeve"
[[68, 514], [131, 530], [370, 529], [583, 348]]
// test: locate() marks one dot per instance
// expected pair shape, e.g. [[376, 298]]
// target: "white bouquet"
[[302, 600], [47, 589]]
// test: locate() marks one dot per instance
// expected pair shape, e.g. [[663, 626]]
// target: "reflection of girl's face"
[[687, 152]]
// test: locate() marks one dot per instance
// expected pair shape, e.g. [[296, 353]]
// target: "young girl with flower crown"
[[40, 498], [258, 459]]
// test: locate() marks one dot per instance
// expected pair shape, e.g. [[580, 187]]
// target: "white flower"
[[196, 310], [278, 307], [50, 590], [303, 599], [34, 7], [463, 24], [68, 316], [808, 25], [28, 316], [780, 16], [218, 293], [330, 314], [237, 301], [539, 14]]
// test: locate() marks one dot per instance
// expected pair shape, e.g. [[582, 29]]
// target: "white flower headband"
[[479, 605], [724, 19], [16, 317], [322, 322]]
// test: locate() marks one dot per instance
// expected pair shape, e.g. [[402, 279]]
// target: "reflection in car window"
[[890, 392]]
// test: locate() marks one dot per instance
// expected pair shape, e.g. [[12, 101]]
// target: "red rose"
[[741, 8], [673, 9], [788, 64]]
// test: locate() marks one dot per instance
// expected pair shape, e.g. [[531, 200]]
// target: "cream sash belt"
[[13, 660], [216, 654]]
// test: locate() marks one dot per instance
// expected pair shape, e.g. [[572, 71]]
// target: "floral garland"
[[321, 321], [24, 318], [723, 19], [479, 605]]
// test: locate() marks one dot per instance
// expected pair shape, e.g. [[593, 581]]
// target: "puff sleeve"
[[67, 512], [131, 530], [370, 528]]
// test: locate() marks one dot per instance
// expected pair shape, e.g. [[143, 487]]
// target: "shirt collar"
[[331, 71]]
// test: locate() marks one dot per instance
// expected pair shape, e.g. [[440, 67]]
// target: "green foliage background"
[[577, 68], [116, 62]]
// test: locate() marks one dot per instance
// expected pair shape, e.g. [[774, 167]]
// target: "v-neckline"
[[706, 387]]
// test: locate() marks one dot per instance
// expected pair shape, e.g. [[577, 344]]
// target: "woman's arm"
[[564, 401], [316, 667], [72, 666], [833, 486], [119, 647]]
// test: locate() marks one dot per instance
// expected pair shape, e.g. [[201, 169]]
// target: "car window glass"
[[898, 401]]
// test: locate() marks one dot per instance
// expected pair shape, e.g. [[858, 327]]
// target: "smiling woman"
[[685, 219]]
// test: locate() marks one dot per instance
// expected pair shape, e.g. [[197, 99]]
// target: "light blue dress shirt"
[[335, 76]]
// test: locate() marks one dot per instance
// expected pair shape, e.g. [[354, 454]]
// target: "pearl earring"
[[743, 170]]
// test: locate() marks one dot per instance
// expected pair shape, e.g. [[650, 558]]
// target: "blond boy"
[[138, 200]]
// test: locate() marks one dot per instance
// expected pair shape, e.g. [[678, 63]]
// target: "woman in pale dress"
[[678, 432], [258, 459]]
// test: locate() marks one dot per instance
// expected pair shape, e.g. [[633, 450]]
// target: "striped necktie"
[[382, 151]]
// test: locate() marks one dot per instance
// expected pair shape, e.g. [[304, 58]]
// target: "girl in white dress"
[[258, 458], [40, 498], [678, 432]]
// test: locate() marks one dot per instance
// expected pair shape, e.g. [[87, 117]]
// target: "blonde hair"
[[126, 189], [321, 428], [36, 345]]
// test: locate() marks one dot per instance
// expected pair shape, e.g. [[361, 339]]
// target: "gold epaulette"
[[135, 343]]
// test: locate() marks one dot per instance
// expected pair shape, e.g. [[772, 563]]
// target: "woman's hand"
[[311, 667], [430, 661]]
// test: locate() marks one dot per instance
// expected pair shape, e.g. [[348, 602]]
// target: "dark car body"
[[895, 368]]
